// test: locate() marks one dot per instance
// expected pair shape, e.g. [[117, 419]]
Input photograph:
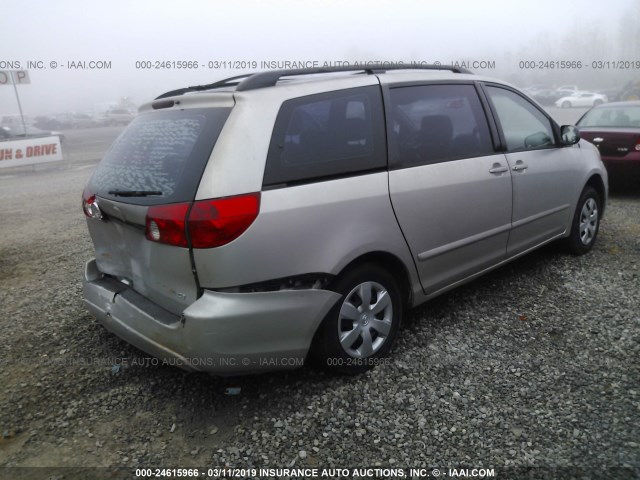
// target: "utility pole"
[[14, 80], [15, 77]]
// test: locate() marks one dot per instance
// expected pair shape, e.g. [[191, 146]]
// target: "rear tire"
[[586, 222], [597, 102], [361, 328], [566, 104]]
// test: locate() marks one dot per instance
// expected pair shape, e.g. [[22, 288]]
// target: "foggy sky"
[[125, 31]]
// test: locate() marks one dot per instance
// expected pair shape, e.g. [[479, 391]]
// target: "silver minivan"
[[259, 221]]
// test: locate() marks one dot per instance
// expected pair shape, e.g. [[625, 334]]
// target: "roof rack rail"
[[253, 81], [270, 78], [227, 82]]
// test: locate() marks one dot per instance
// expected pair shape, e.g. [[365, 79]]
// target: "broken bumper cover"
[[221, 333]]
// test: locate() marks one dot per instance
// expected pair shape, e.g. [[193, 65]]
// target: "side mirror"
[[570, 135]]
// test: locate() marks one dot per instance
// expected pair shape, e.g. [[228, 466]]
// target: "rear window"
[[162, 152], [327, 135]]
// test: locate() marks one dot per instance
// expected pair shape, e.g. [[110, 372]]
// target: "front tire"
[[586, 222], [566, 104], [361, 328]]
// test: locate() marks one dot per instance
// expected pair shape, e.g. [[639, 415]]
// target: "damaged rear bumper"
[[220, 333]]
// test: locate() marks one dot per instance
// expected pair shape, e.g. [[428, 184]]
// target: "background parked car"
[[533, 89], [631, 91], [567, 89], [83, 120], [71, 120], [117, 116], [581, 99], [612, 94], [628, 92], [14, 120], [547, 96], [18, 132], [5, 133], [48, 122], [615, 129]]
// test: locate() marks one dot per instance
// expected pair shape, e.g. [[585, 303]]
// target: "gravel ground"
[[534, 365]]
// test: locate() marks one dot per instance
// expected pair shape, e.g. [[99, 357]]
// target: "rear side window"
[[437, 123], [162, 152], [523, 125], [326, 135]]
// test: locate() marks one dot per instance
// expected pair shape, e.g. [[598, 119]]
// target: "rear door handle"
[[498, 168], [520, 165]]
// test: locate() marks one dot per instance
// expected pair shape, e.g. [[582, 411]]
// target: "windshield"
[[160, 152], [627, 116]]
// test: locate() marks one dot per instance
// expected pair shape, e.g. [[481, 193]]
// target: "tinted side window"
[[523, 125], [329, 134], [436, 123]]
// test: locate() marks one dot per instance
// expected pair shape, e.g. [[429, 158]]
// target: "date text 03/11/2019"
[[314, 472], [579, 65]]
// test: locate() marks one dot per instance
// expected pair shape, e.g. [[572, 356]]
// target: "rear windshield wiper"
[[134, 193]]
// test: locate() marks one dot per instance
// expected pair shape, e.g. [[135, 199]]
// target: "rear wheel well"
[[596, 182], [389, 262]]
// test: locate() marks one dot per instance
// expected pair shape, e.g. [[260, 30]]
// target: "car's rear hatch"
[[157, 161], [612, 142]]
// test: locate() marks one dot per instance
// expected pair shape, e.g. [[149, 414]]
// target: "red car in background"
[[615, 129]]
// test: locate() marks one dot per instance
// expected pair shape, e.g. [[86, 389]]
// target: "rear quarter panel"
[[315, 228]]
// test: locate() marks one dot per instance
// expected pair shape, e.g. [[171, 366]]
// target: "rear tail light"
[[213, 223], [90, 206], [167, 224], [210, 223], [637, 147]]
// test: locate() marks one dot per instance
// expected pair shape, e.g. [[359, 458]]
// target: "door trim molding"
[[463, 242], [540, 215]]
